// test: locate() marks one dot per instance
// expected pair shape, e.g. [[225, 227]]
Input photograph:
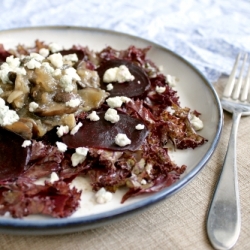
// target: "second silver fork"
[[224, 220]]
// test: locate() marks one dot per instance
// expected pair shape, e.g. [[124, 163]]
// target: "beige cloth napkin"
[[178, 222]]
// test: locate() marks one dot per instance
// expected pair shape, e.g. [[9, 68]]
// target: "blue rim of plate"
[[68, 225]]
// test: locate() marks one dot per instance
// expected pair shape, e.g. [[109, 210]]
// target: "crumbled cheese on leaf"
[[196, 122], [54, 177], [160, 90], [79, 156]]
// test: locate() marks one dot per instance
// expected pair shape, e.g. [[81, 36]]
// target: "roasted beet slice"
[[12, 155], [102, 133], [134, 88], [3, 54]]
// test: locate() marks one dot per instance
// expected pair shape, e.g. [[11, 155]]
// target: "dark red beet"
[[101, 134], [3, 54], [12, 155], [134, 88]]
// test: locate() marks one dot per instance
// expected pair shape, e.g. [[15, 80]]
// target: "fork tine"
[[245, 91], [236, 92], [230, 84]]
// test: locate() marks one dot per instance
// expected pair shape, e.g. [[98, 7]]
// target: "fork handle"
[[224, 222]]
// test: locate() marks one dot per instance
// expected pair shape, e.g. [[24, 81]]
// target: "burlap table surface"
[[178, 222]]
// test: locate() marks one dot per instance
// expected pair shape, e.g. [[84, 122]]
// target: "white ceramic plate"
[[194, 91]]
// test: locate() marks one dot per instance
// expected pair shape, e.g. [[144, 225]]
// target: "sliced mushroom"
[[64, 97], [89, 78], [53, 109], [92, 97], [23, 127]]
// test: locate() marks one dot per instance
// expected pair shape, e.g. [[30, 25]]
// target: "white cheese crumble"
[[117, 101], [122, 140], [111, 115], [196, 122], [26, 143], [160, 90], [143, 182], [79, 156], [44, 52], [12, 64], [55, 47], [1, 91], [37, 57], [109, 86], [33, 64], [62, 130], [72, 72], [62, 147], [171, 80], [54, 177], [76, 128], [66, 83], [48, 67], [7, 116], [73, 103], [33, 106], [93, 116], [70, 57], [118, 74], [102, 196], [57, 72], [140, 126], [56, 59]]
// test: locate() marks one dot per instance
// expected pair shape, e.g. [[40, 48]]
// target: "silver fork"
[[224, 220]]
